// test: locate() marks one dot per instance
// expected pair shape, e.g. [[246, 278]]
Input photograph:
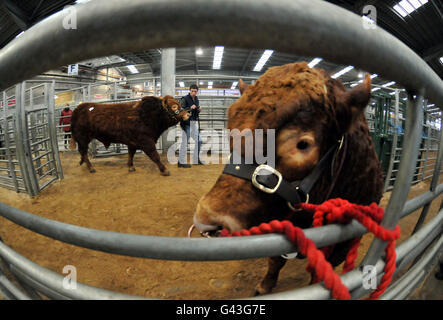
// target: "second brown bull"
[[137, 124]]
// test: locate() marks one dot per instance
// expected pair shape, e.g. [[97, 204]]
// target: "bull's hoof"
[[132, 169], [165, 173], [92, 170]]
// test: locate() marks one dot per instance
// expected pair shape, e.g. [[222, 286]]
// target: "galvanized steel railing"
[[305, 27]]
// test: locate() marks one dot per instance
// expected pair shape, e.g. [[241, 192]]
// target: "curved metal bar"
[[408, 282], [353, 279], [54, 281], [191, 249], [397, 201], [304, 27]]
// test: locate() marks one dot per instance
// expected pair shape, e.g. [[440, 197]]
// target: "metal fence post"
[[413, 129], [50, 104], [8, 144], [394, 141], [435, 177], [22, 142]]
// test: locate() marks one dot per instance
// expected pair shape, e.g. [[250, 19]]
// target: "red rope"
[[334, 211]]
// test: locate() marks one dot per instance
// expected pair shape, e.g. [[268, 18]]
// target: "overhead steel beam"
[[19, 16], [432, 53]]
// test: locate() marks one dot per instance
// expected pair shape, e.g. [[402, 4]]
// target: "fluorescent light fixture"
[[431, 105], [199, 51], [375, 89], [200, 83], [218, 56], [342, 72], [389, 84], [354, 84], [234, 85], [210, 83], [374, 76], [264, 58], [441, 60], [314, 62], [406, 7], [132, 68], [392, 93], [181, 84]]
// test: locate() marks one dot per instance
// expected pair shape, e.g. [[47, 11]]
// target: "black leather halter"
[[269, 180]]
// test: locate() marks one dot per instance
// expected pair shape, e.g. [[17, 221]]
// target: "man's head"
[[193, 89]]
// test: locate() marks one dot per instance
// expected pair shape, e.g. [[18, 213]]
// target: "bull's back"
[[96, 119]]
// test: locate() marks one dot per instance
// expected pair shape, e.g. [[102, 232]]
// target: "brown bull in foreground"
[[310, 113], [137, 124]]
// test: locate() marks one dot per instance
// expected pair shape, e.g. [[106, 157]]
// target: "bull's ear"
[[358, 97], [168, 101], [350, 104], [242, 86]]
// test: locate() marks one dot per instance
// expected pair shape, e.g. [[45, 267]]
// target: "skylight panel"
[[264, 58], [314, 62], [406, 7], [342, 72], [132, 68], [218, 56]]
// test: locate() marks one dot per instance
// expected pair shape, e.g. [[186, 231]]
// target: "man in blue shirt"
[[190, 127]]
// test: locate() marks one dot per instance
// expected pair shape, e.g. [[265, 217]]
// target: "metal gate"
[[30, 145], [304, 27]]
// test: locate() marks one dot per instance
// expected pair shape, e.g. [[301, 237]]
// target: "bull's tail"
[[72, 143]]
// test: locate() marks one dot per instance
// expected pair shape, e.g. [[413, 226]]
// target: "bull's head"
[[310, 112], [173, 107]]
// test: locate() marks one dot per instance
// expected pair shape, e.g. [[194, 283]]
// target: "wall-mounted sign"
[[73, 70]]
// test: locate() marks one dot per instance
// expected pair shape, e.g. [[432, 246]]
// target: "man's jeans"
[[193, 132]]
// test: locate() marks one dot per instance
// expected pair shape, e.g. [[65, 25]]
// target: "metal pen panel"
[[414, 121], [49, 101], [22, 143], [54, 281]]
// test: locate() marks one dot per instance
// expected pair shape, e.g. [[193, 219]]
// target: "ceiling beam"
[[18, 15], [433, 52], [437, 9], [245, 64]]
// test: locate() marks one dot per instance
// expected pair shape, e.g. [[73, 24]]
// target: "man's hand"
[[193, 106]]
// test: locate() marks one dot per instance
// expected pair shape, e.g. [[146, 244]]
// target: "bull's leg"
[[270, 280], [83, 149], [131, 152], [151, 152]]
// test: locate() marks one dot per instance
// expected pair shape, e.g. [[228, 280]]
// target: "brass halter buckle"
[[262, 187]]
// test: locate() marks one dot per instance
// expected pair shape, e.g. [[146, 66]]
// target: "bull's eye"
[[302, 145]]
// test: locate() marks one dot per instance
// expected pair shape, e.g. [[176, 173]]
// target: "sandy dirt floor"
[[144, 202]]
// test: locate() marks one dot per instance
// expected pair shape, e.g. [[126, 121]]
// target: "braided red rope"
[[334, 211]]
